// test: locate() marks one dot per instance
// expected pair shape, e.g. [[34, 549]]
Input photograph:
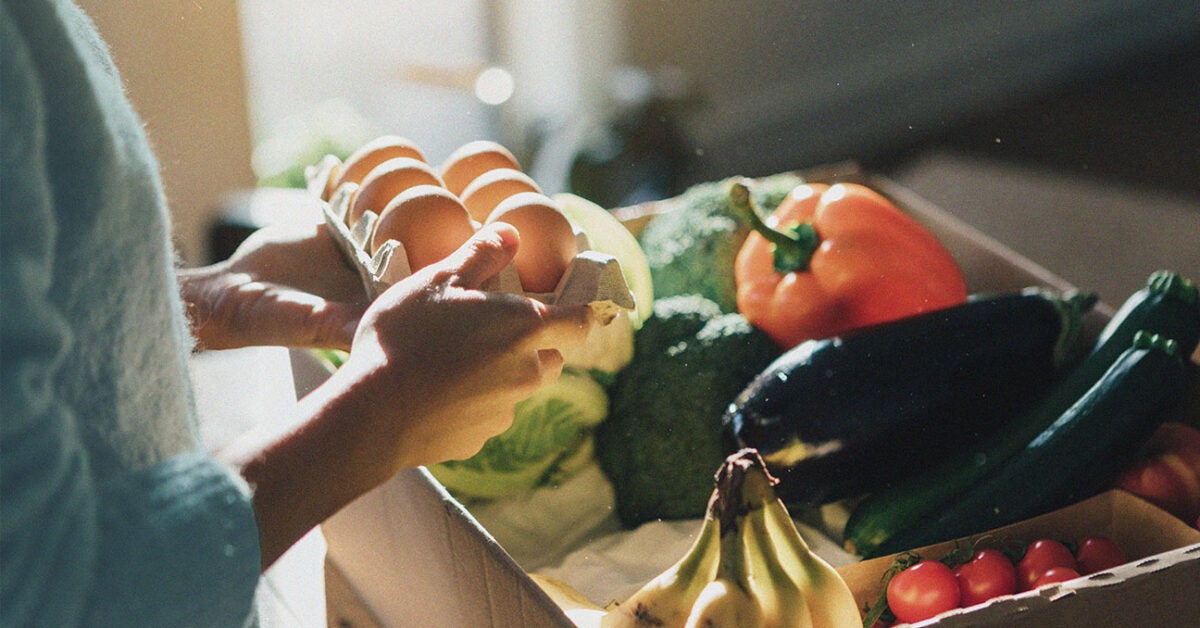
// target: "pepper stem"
[[793, 246]]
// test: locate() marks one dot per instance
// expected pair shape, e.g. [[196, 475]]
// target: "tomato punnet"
[[922, 591], [831, 259], [1041, 556], [1054, 575], [988, 574], [1097, 553]]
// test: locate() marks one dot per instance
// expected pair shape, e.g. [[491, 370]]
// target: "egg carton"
[[592, 278]]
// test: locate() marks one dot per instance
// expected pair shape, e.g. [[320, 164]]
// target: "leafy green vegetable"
[[608, 235], [608, 349], [663, 436], [293, 174], [334, 358], [550, 428], [691, 248]]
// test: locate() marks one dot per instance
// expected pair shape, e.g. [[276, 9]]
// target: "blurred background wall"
[[182, 64], [621, 100], [782, 84]]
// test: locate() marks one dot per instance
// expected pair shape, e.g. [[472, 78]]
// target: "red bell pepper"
[[832, 259], [1167, 471]]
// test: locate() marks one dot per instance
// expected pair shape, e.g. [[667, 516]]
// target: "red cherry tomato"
[[1097, 553], [988, 574], [922, 591], [1042, 555], [1055, 574]]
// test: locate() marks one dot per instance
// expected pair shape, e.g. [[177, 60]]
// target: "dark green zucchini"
[[1073, 458], [1168, 305], [842, 416]]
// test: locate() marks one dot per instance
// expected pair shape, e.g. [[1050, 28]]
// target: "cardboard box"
[[1164, 568], [413, 555]]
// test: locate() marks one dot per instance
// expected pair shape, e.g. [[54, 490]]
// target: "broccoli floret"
[[663, 441], [691, 247], [674, 319]]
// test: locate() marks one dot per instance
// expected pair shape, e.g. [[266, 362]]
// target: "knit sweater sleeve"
[[172, 543]]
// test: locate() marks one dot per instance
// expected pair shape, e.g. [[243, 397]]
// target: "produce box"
[[1159, 586], [409, 553]]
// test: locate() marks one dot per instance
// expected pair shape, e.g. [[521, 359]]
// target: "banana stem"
[[732, 567], [742, 485], [700, 563]]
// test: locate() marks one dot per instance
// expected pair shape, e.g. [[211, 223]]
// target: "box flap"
[[416, 557]]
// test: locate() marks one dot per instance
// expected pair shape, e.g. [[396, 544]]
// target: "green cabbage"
[[608, 349], [551, 431], [609, 235]]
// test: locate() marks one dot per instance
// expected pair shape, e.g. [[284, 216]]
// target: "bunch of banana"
[[748, 567]]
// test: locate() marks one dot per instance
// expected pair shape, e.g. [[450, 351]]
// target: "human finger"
[[298, 319], [561, 326], [484, 255], [491, 421], [302, 256], [551, 362]]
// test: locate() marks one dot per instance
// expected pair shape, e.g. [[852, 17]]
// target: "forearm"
[[302, 472]]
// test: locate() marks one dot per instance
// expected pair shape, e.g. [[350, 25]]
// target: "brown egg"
[[547, 239], [386, 181], [488, 189], [473, 159], [375, 152], [428, 220]]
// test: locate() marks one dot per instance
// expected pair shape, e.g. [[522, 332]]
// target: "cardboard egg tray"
[[592, 278]]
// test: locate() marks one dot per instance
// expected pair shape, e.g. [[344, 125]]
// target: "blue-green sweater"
[[111, 515]]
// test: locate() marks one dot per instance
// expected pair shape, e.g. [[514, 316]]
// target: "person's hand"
[[436, 369], [441, 363], [286, 285]]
